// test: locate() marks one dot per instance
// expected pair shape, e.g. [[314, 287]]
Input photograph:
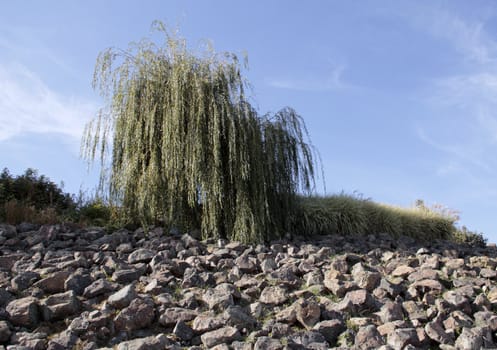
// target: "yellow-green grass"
[[350, 215]]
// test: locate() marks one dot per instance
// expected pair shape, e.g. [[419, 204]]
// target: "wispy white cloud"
[[28, 105], [463, 122], [331, 81], [465, 31]]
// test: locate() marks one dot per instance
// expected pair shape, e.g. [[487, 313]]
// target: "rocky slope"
[[67, 288]]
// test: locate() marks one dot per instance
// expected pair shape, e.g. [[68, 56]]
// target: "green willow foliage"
[[187, 148]]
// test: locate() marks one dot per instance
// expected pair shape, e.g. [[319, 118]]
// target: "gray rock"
[[53, 283], [414, 310], [308, 313], [147, 343], [176, 314], [436, 332], [368, 337], [59, 306], [24, 280], [457, 301], [365, 279], [23, 312], [126, 275], [266, 343], [401, 337], [123, 297], [8, 231], [306, 338], [217, 299], [183, 331], [486, 319], [488, 273], [29, 341], [139, 314], [273, 295], [141, 255], [330, 329], [268, 265], [7, 261], [205, 323], [236, 317], [357, 302], [246, 263], [391, 311], [4, 332], [77, 282], [99, 287], [63, 341], [470, 338], [79, 325], [222, 335]]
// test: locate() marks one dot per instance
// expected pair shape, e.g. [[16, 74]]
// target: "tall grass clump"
[[352, 215], [180, 143]]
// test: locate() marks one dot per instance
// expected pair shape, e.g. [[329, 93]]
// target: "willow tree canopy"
[[180, 143]]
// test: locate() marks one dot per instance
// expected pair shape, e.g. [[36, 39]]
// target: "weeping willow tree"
[[180, 143]]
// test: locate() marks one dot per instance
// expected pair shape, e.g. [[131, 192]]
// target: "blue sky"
[[400, 97]]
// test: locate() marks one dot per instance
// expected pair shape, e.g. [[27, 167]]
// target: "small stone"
[[97, 288], [308, 339], [141, 255], [401, 337], [77, 282], [266, 343], [139, 314], [422, 251], [273, 295], [4, 332], [486, 318], [402, 271], [60, 306], [308, 313], [148, 343], [183, 331], [54, 283], [246, 263], [268, 265], [423, 274], [330, 329], [123, 297], [368, 337], [176, 314], [391, 311], [216, 299], [23, 312], [457, 301], [414, 310], [222, 335], [470, 338], [63, 341], [126, 275], [356, 302], [488, 273], [23, 281], [435, 331], [288, 314], [365, 279], [236, 317], [205, 323]]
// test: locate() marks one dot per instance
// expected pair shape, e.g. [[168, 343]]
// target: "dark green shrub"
[[32, 197]]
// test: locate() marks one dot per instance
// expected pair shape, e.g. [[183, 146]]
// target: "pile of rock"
[[68, 288]]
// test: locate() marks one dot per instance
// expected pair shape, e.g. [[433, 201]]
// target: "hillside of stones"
[[63, 287]]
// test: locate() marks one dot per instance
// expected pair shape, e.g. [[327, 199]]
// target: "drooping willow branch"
[[180, 143]]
